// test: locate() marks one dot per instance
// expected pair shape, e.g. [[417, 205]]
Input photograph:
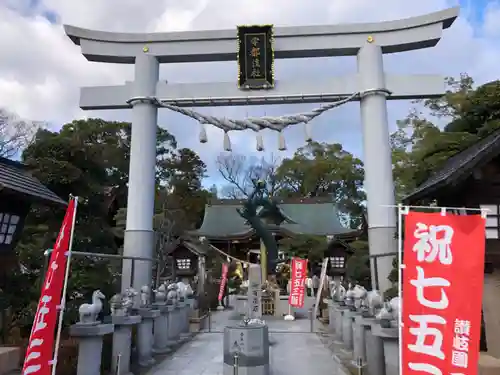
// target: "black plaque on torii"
[[255, 57]]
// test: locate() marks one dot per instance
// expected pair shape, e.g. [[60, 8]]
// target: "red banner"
[[298, 279], [442, 293], [39, 354], [223, 280]]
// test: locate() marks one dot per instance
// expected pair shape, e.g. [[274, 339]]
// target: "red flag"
[[39, 354], [442, 293], [223, 280], [298, 279]]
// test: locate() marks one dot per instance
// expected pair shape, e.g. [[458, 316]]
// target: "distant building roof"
[[459, 166], [313, 216], [14, 177]]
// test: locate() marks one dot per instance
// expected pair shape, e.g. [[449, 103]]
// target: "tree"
[[15, 133], [85, 158], [304, 246], [325, 170], [241, 173]]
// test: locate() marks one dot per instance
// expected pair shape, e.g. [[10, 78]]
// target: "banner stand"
[[65, 289], [289, 316], [403, 211]]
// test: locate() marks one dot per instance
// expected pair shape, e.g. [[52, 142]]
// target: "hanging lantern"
[[227, 142], [308, 131], [260, 141], [281, 141], [203, 133]]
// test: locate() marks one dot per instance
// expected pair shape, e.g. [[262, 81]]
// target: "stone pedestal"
[[145, 336], [331, 316], [358, 340], [122, 341], [360, 326], [247, 347], [339, 313], [389, 337], [90, 346], [347, 321], [184, 328], [173, 325], [374, 348], [160, 336]]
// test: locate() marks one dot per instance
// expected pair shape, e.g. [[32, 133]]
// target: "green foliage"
[[304, 246], [358, 265], [321, 169], [89, 159]]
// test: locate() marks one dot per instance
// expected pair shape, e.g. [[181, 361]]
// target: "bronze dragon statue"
[[257, 206]]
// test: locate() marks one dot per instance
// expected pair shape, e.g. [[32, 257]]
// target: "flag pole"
[[401, 211], [65, 287]]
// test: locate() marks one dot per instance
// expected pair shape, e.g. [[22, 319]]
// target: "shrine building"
[[225, 229]]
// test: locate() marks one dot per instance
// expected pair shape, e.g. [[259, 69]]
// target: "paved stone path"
[[295, 351]]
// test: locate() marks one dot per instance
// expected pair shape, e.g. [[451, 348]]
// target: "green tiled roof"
[[311, 216]]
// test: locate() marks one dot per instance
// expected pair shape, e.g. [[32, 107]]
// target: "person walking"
[[315, 284]]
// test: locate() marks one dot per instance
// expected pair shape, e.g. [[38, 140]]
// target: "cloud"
[[41, 71]]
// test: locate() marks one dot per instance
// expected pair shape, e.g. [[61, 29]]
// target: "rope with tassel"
[[256, 124]]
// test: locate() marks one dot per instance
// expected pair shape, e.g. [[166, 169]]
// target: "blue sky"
[[47, 88]]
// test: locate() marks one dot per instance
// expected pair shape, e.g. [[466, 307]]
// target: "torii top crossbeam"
[[290, 42]]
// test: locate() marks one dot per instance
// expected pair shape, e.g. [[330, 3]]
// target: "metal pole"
[[311, 320], [235, 363], [209, 319], [46, 258]]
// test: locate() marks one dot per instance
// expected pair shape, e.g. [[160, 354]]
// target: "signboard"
[[443, 290], [298, 279], [254, 292], [255, 57]]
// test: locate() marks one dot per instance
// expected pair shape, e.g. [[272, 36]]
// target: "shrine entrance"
[[257, 48]]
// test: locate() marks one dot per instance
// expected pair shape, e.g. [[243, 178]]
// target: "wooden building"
[[225, 229], [18, 191], [471, 179]]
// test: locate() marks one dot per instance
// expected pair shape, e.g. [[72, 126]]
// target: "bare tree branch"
[[241, 173], [15, 133]]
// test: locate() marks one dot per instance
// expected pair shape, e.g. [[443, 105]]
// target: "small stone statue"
[[385, 315], [89, 312], [145, 296], [116, 305], [181, 291], [128, 300], [349, 296], [359, 294], [395, 305], [373, 302], [338, 292], [172, 294], [189, 291], [161, 294]]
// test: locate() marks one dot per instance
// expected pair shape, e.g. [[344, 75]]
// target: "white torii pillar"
[[366, 41]]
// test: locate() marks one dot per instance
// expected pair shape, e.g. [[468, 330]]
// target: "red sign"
[[442, 293], [39, 354], [298, 279], [223, 280]]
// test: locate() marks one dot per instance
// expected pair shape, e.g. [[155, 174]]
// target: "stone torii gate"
[[367, 41]]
